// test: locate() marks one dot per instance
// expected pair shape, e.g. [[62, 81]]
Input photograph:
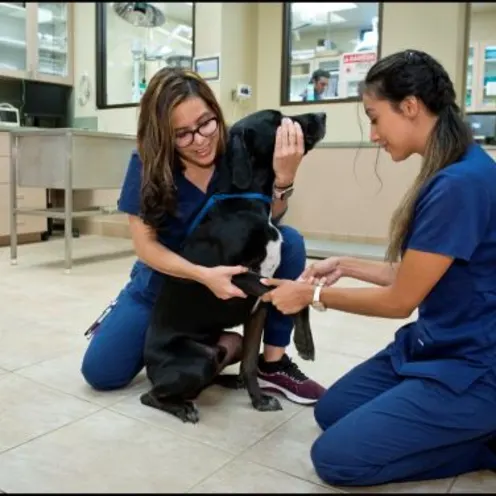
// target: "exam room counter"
[[74, 162]]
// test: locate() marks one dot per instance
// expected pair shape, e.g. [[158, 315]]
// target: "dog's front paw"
[[188, 413], [183, 410], [266, 403]]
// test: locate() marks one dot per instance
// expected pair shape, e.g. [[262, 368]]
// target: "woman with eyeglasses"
[[181, 132]]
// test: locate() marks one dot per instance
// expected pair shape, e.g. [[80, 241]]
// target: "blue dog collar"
[[224, 196]]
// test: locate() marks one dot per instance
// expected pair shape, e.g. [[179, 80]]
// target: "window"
[[133, 41], [327, 49]]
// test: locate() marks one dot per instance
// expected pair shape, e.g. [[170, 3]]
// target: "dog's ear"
[[241, 162]]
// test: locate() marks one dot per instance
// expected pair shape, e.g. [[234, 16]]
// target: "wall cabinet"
[[36, 41], [481, 77]]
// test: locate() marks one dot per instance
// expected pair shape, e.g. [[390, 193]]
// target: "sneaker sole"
[[274, 388]]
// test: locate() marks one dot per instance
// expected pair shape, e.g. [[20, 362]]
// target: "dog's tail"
[[303, 338]]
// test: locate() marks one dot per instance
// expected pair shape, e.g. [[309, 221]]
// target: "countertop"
[[40, 131], [23, 131]]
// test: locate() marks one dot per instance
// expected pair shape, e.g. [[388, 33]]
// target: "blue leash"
[[224, 196]]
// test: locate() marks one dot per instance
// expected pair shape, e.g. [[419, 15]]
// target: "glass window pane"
[[332, 45], [142, 39]]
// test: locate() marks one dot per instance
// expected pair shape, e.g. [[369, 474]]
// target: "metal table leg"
[[68, 209], [13, 200]]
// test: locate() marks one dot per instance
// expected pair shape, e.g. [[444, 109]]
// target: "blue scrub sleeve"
[[130, 198], [451, 217]]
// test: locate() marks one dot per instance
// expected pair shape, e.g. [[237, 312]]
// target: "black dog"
[[233, 228]]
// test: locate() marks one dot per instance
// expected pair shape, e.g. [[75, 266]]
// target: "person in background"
[[317, 86], [423, 407], [181, 134]]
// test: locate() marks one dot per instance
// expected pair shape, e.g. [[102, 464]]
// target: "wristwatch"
[[316, 303], [282, 193]]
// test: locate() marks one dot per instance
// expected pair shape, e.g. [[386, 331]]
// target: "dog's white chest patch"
[[273, 257], [272, 260]]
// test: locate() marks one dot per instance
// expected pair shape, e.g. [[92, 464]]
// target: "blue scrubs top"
[[454, 339], [190, 199]]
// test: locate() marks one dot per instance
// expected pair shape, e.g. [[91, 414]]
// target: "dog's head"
[[252, 141]]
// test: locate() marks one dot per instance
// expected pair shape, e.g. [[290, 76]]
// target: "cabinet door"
[[14, 39], [488, 77], [53, 50]]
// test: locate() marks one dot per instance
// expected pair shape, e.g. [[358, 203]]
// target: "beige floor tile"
[[227, 418], [63, 373], [251, 478], [475, 482], [28, 410], [288, 449], [108, 452], [27, 344]]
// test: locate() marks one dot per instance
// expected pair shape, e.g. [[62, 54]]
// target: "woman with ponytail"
[[424, 407]]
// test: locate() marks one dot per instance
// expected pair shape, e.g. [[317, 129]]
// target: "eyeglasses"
[[185, 138]]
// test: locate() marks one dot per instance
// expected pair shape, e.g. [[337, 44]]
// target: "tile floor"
[[58, 435]]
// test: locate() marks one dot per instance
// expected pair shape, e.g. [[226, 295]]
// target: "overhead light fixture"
[[322, 8], [140, 14], [190, 4]]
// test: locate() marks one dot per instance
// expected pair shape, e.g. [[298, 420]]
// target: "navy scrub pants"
[[379, 427], [115, 353]]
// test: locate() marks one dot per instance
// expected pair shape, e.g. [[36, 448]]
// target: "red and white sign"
[[353, 69]]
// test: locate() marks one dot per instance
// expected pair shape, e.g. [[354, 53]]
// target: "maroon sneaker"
[[285, 377]]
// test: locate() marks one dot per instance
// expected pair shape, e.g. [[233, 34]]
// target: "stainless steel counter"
[[67, 159]]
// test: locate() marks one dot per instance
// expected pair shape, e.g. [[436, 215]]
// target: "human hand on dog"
[[289, 297], [288, 152], [218, 280], [325, 272]]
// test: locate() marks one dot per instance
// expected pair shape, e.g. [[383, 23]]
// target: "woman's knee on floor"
[[115, 353], [104, 375], [293, 253], [341, 466], [328, 409]]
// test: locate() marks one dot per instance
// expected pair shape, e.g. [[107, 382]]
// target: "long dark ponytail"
[[415, 73]]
